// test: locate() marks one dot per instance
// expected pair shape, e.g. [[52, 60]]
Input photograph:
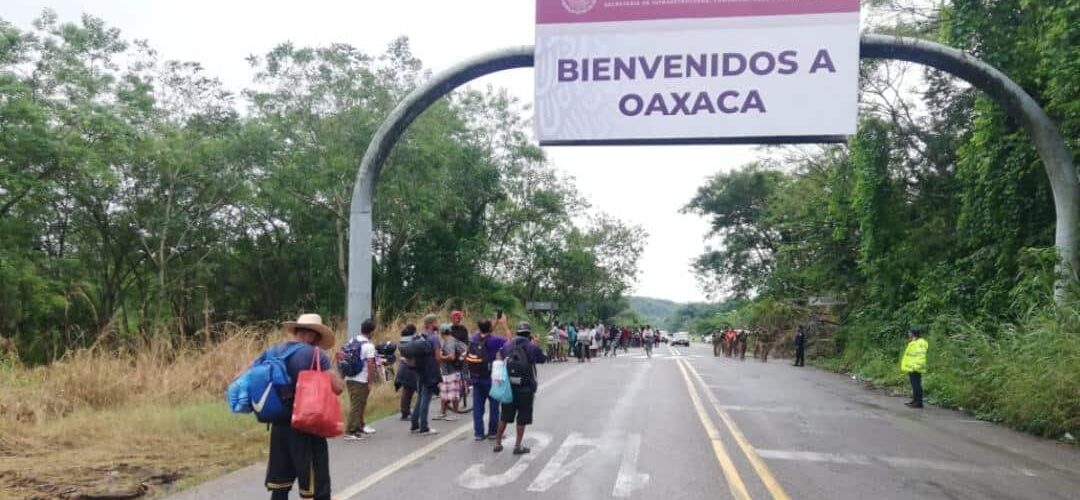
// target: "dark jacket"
[[420, 372]]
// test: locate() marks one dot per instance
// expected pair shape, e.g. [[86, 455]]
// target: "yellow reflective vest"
[[914, 359]]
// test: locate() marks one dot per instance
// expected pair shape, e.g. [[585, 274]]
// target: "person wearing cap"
[[427, 371], [913, 363], [800, 346], [451, 358], [297, 456], [520, 409], [489, 345], [457, 329]]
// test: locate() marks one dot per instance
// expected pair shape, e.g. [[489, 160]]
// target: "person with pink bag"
[[295, 455]]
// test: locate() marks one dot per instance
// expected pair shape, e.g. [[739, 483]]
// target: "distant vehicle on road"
[[665, 337], [681, 338]]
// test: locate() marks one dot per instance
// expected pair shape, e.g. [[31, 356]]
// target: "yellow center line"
[[762, 470], [731, 474]]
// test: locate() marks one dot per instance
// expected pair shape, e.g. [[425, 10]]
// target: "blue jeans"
[[420, 410], [480, 396]]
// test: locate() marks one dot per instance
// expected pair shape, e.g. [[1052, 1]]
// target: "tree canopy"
[[139, 195], [937, 213]]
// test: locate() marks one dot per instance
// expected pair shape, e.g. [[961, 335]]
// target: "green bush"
[[1025, 374]]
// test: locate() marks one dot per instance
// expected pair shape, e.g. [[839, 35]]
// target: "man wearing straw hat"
[[297, 456]]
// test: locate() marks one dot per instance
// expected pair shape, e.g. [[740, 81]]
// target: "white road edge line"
[[914, 463], [369, 481]]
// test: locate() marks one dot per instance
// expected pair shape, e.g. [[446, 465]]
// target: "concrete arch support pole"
[[360, 223], [1052, 149]]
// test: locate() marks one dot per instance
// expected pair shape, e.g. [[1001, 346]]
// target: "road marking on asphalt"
[[629, 478], [731, 474], [799, 411], [762, 470], [369, 481], [914, 463], [475, 479], [558, 468]]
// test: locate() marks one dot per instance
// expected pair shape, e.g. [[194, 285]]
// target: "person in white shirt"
[[648, 338], [595, 334], [584, 345], [360, 385]]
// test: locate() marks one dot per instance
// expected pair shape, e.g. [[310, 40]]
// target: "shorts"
[[450, 387], [300, 457], [520, 409]]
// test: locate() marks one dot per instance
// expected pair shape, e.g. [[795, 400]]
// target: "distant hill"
[[653, 311]]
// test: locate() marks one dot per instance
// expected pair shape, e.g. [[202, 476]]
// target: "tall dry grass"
[[156, 369], [155, 402]]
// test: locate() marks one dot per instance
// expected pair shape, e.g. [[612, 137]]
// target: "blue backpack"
[[257, 389]]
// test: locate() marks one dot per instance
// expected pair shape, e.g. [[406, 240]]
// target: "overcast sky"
[[220, 34]]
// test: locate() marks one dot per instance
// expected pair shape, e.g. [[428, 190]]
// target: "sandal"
[[521, 450], [498, 448]]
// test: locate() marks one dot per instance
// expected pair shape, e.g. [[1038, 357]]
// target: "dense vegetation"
[[937, 213], [139, 196], [652, 311]]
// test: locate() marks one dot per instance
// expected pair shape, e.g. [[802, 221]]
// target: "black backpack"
[[417, 347], [477, 358], [520, 366]]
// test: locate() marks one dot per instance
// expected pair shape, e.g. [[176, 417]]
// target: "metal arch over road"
[[1052, 149]]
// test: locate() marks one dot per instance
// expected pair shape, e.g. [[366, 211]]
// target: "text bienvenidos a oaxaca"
[[683, 66]]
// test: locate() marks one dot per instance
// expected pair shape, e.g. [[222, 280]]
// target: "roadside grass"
[[139, 417], [1024, 374]]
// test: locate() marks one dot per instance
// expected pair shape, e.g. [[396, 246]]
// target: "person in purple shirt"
[[521, 408], [483, 348]]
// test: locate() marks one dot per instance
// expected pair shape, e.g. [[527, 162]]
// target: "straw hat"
[[312, 322]]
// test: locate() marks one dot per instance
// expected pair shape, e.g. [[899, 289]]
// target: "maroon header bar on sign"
[[598, 11]]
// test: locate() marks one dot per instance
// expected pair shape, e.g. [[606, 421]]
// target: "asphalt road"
[[686, 425]]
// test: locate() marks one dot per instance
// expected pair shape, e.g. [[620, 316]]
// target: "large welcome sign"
[[696, 71]]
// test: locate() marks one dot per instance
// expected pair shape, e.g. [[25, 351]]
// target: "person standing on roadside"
[[914, 364], [457, 329], [800, 346], [521, 355], [298, 456], [584, 342], [407, 378], [359, 385], [564, 344], [571, 337], [451, 357], [483, 348], [741, 338], [554, 343], [594, 347], [427, 370]]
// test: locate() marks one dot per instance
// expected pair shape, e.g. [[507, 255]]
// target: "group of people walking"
[[447, 361], [733, 343], [439, 360], [566, 340]]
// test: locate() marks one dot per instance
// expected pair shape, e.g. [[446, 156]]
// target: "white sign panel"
[[696, 71]]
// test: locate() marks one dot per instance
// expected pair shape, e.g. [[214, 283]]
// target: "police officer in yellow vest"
[[914, 364]]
